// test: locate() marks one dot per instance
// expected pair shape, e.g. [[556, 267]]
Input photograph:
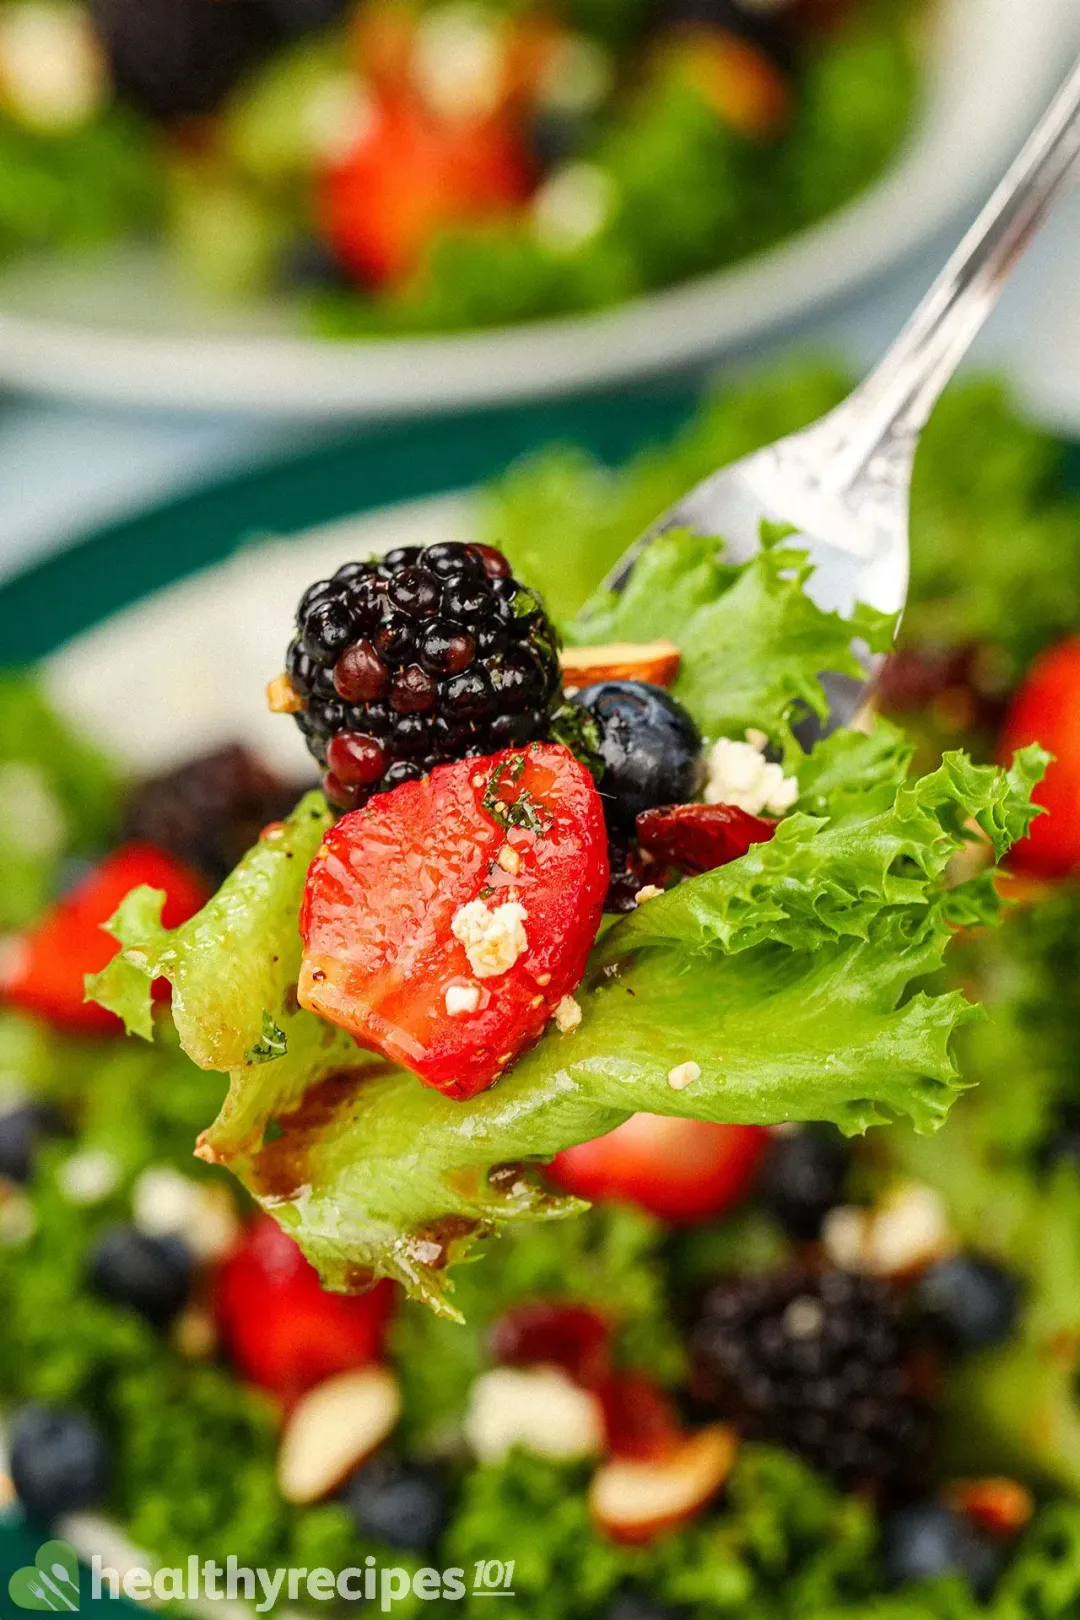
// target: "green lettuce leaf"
[[753, 642], [786, 976]]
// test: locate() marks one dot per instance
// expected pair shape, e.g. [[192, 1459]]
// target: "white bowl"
[[117, 330]]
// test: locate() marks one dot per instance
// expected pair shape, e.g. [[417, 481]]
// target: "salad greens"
[[788, 977]]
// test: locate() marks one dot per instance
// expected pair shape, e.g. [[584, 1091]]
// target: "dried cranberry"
[[699, 837], [557, 1332]]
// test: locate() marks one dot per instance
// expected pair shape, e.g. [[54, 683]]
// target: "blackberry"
[[416, 658], [179, 58], [210, 810], [820, 1363]]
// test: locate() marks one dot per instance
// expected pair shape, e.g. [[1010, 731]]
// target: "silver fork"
[[845, 482]]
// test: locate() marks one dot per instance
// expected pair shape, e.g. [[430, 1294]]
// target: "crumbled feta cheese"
[[166, 1203], [572, 206], [739, 774], [339, 118], [461, 999], [683, 1075], [493, 940], [509, 859], [459, 62], [649, 892], [567, 1015], [907, 1229], [89, 1177], [539, 1408], [51, 66]]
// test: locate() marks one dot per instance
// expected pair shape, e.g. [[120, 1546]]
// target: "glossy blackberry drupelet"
[[820, 1363], [21, 1129], [971, 1302], [403, 1504], [803, 1178], [650, 748], [928, 1540], [179, 58], [209, 811], [152, 1275], [59, 1461], [418, 658]]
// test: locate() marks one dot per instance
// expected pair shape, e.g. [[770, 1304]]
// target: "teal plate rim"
[[74, 588]]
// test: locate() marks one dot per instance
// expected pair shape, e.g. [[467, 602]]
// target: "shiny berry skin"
[[440, 654], [21, 1130], [682, 1170], [152, 1275], [1046, 710], [698, 838], [803, 1177], [928, 1540], [379, 950], [405, 1505], [972, 1302], [650, 747], [283, 1330], [356, 760], [60, 1461]]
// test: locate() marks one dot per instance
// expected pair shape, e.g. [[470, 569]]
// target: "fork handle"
[[892, 405]]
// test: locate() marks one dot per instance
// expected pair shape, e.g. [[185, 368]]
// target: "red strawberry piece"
[[1046, 710], [413, 176], [699, 837], [522, 828], [284, 1332], [47, 967], [641, 1419], [556, 1333], [682, 1170]]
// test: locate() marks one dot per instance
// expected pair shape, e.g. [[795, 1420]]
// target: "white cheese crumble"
[[539, 1408], [567, 1015], [909, 1228], [683, 1075], [462, 999], [649, 892], [51, 67], [739, 774], [493, 940], [89, 1177], [572, 206], [166, 1203]]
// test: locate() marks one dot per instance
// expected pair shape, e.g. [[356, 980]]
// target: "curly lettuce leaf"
[[753, 642], [786, 976], [233, 969]]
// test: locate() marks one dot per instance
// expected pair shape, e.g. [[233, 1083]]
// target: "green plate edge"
[[73, 589]]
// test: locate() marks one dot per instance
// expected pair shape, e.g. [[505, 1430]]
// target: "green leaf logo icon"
[[52, 1582]]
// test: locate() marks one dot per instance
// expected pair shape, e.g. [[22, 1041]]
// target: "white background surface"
[[66, 470]]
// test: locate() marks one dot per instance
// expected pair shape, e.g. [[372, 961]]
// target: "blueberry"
[[928, 1540], [402, 1504], [650, 747], [20, 1131], [59, 1461], [803, 1178], [970, 1300], [150, 1274]]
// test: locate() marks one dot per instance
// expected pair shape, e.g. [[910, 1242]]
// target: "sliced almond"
[[654, 661], [333, 1429], [282, 696], [633, 1501], [999, 1505]]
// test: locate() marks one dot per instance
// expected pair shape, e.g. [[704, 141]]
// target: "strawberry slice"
[[46, 967], [682, 1170], [444, 922], [412, 176], [699, 837], [1046, 710], [284, 1332]]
